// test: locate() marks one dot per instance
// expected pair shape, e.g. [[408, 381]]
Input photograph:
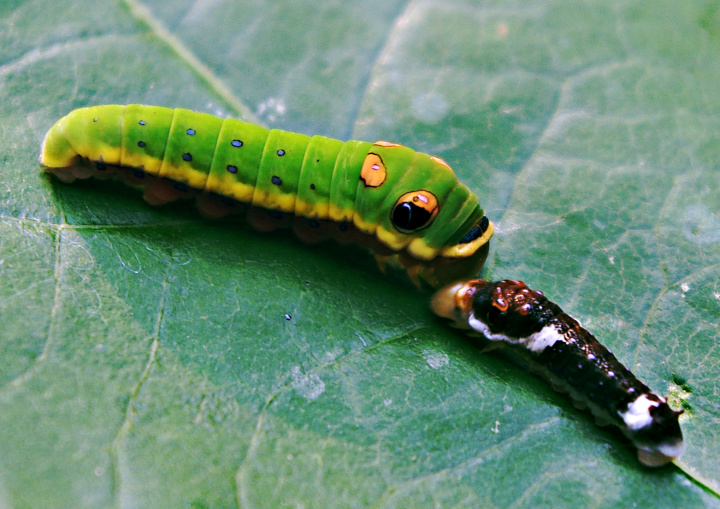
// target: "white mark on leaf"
[[332, 355], [127, 257], [436, 360], [701, 225], [387, 402], [430, 108], [496, 428], [685, 287], [271, 108], [307, 386]]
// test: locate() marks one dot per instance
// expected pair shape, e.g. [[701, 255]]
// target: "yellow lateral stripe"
[[229, 187]]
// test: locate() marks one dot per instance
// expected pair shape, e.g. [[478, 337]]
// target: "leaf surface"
[[149, 358]]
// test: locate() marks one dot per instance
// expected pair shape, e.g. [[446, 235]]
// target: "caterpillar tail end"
[[661, 455], [56, 150], [660, 441], [59, 153], [59, 157]]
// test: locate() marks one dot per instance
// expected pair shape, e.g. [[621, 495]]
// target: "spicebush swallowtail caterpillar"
[[405, 206], [556, 347]]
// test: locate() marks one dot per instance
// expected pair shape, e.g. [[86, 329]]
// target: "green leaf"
[[150, 358]]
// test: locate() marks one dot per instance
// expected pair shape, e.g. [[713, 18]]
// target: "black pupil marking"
[[409, 216], [343, 226], [101, 166], [232, 168], [496, 318], [484, 222], [280, 152], [312, 186], [139, 174], [476, 231], [313, 224], [142, 122], [276, 180], [275, 214], [236, 143], [191, 132], [141, 144], [187, 156], [180, 187]]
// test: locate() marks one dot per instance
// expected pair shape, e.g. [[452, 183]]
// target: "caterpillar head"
[[413, 203]]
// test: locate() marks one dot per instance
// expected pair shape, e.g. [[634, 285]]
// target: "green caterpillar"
[[406, 206]]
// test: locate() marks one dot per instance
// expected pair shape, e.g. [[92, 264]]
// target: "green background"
[[146, 359]]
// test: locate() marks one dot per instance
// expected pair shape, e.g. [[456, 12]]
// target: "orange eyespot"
[[373, 171], [414, 211], [441, 162], [381, 143]]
